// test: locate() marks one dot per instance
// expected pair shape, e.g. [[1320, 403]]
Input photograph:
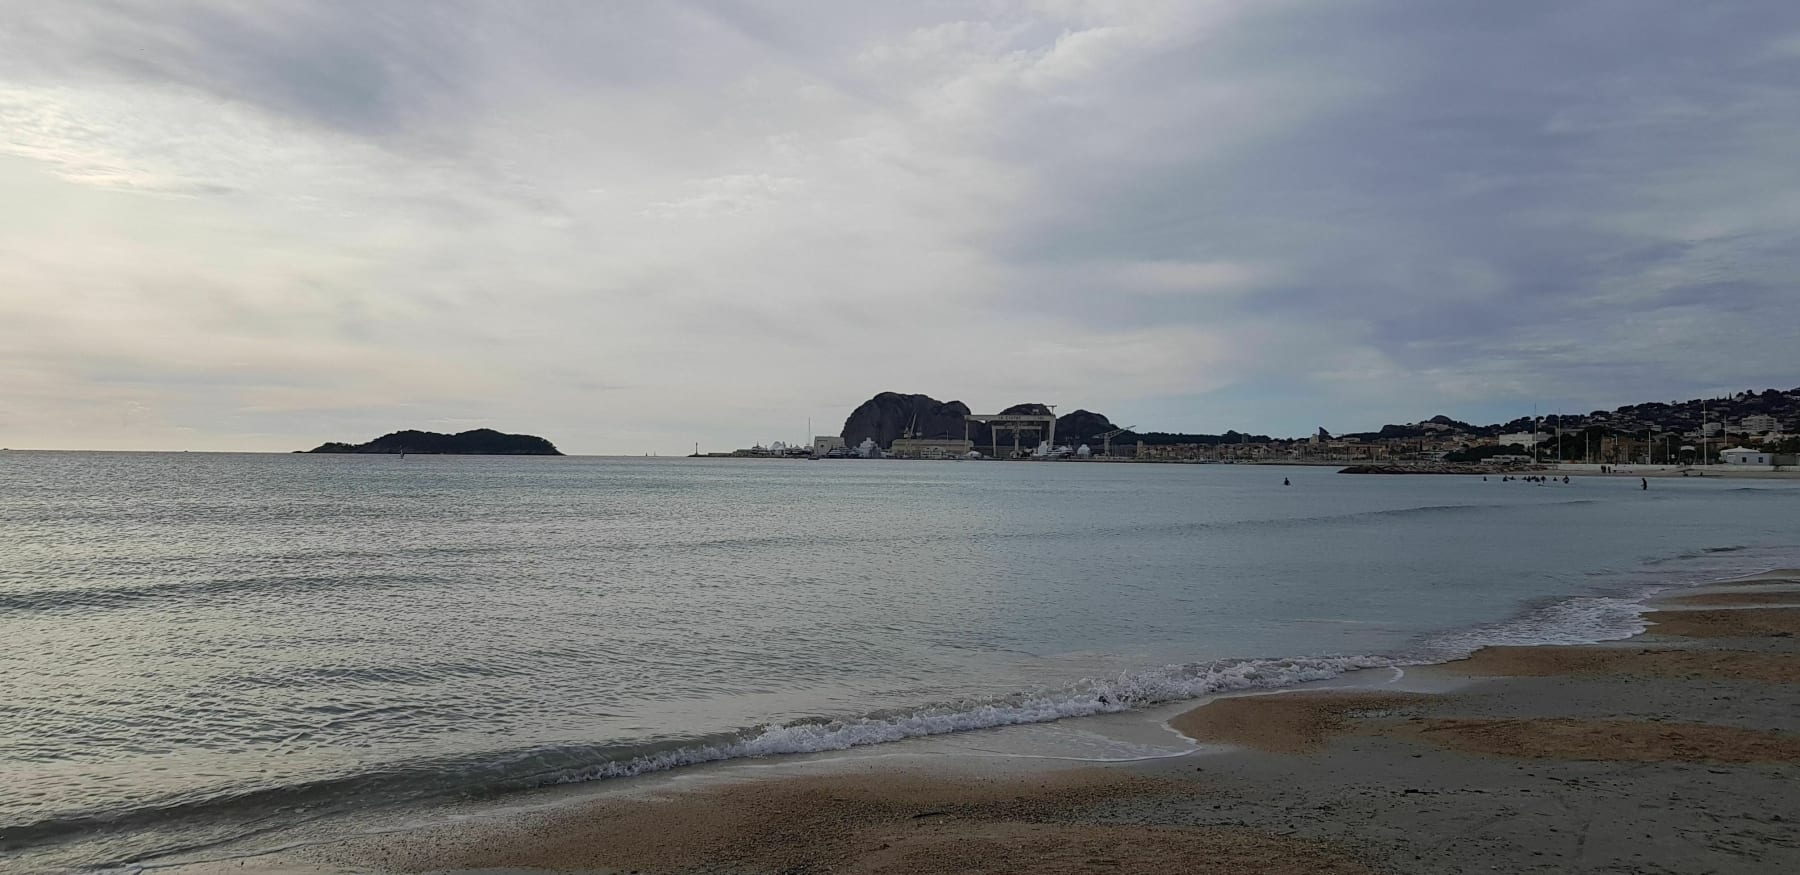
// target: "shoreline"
[[1345, 466], [1527, 731], [1630, 472]]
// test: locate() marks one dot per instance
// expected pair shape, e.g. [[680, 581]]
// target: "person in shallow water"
[[1645, 481], [1284, 482]]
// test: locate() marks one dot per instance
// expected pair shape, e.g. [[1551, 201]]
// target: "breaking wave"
[[1128, 691], [1572, 620], [1582, 619]]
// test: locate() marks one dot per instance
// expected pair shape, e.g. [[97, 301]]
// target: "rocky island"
[[479, 442]]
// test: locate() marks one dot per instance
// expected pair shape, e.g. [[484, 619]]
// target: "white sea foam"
[[1575, 620], [1579, 620], [1126, 692]]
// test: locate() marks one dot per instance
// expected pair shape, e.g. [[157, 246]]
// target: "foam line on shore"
[[1577, 620], [1128, 692]]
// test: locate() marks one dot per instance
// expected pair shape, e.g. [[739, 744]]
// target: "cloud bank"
[[631, 227]]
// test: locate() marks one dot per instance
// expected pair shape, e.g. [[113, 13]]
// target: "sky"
[[634, 227]]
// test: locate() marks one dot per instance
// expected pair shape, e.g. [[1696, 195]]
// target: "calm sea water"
[[198, 647]]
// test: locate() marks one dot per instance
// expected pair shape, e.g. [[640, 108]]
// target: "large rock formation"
[[889, 415], [479, 442], [1085, 426]]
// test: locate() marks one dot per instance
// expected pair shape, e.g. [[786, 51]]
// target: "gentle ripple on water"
[[198, 647]]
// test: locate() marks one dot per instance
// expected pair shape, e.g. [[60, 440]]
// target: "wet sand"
[[1737, 599], [887, 822], [1734, 623], [1678, 751], [1778, 575], [1781, 668], [1287, 722], [1637, 741]]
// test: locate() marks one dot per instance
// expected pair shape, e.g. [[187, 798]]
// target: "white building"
[[929, 448], [1743, 456], [1522, 438], [1761, 423], [825, 443]]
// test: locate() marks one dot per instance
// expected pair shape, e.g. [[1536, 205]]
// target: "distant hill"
[[1779, 406], [891, 414], [479, 442], [888, 415]]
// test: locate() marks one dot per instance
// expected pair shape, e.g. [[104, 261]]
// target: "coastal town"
[[1747, 430]]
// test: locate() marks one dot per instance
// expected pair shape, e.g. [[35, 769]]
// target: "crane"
[[1106, 438]]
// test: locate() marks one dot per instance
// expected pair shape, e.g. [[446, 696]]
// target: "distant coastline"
[[1750, 429], [478, 442]]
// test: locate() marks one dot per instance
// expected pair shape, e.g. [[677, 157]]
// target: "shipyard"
[[1744, 435]]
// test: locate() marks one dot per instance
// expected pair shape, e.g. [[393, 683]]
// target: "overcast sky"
[[629, 227]]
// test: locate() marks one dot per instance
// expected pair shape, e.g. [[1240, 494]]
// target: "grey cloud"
[[1467, 145], [359, 66], [1442, 201]]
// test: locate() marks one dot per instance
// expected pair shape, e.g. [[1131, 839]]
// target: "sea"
[[203, 650]]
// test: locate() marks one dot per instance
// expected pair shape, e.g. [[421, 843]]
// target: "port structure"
[[1106, 449], [1044, 425]]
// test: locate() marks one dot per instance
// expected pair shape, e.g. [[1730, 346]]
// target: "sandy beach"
[[1732, 472], [1675, 751]]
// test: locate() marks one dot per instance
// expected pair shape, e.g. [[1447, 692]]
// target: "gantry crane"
[[1106, 439]]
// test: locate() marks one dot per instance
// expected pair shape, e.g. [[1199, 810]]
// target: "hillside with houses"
[[1656, 432]]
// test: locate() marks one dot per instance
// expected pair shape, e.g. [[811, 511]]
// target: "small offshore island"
[[479, 442]]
